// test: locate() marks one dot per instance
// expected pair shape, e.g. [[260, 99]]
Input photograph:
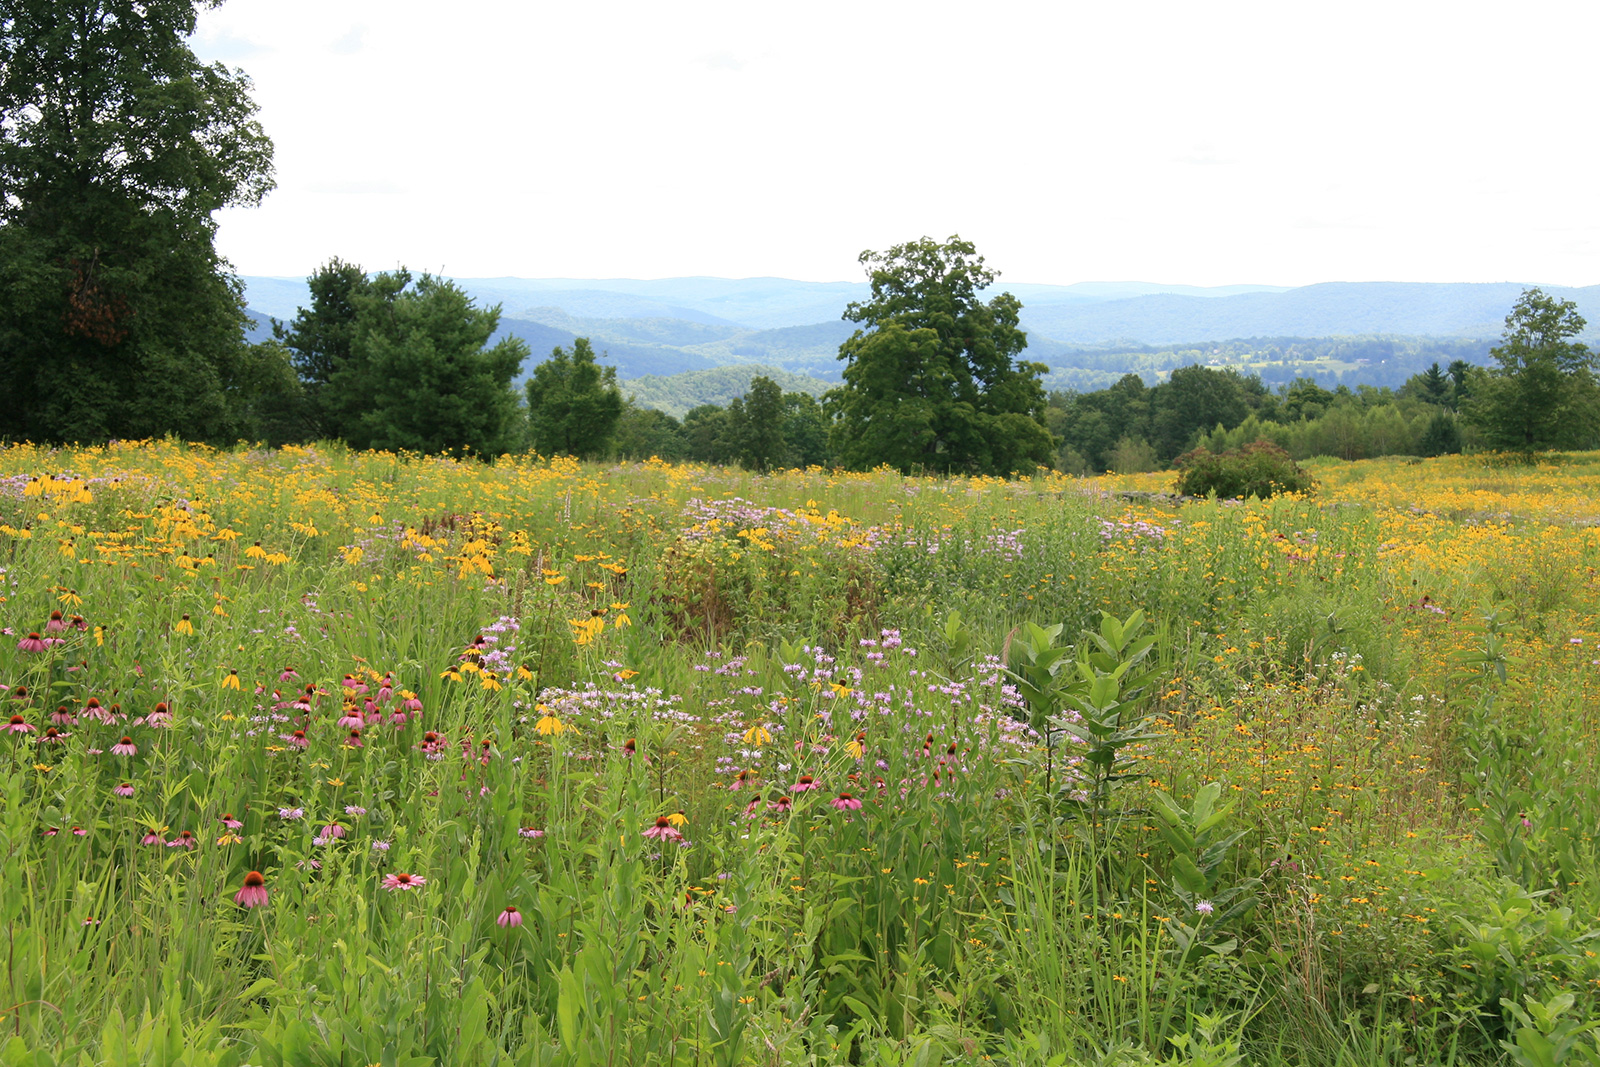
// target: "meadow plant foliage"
[[319, 757]]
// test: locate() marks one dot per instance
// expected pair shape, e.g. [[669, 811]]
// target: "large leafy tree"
[[117, 147], [1542, 392], [932, 379], [574, 404]]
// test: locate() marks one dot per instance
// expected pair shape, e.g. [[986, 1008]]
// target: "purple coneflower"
[[806, 782], [298, 739], [51, 831], [354, 740], [351, 720], [510, 917], [528, 831], [125, 747], [78, 831], [123, 790], [663, 830], [402, 880], [783, 803], [333, 829], [846, 802], [62, 716], [18, 725], [152, 838], [230, 822], [288, 675], [183, 840], [254, 893], [411, 703], [56, 623]]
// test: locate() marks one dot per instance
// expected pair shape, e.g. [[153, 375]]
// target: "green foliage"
[[932, 380], [1542, 394], [391, 364], [117, 316], [573, 403], [675, 394], [645, 432], [321, 338], [756, 425], [1260, 470]]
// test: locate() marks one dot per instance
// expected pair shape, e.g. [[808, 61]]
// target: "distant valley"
[[1089, 334]]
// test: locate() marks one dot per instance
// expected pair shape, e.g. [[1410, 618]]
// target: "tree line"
[[118, 318]]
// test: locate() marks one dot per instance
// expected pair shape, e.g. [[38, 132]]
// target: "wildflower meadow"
[[322, 757]]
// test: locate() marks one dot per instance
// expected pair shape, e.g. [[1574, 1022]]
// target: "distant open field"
[[319, 757]]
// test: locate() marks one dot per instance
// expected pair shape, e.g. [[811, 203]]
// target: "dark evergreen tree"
[[574, 404]]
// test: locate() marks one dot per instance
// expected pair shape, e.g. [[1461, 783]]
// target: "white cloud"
[[1176, 139]]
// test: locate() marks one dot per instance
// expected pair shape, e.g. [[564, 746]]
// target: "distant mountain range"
[[669, 326]]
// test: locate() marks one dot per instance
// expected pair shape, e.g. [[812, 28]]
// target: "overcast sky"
[[1194, 142]]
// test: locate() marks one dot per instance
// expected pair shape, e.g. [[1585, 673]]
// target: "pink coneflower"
[[741, 779], [354, 740], [530, 832], [354, 684], [52, 736], [752, 809], [125, 747], [159, 716], [20, 694], [80, 624], [385, 688], [18, 725], [51, 831], [301, 703], [846, 802], [510, 917], [254, 893], [123, 790], [230, 822], [56, 623], [333, 829], [152, 838], [663, 830], [288, 675], [31, 643], [78, 831], [62, 716], [298, 739], [183, 840], [411, 703], [93, 710], [806, 782], [431, 742], [782, 804], [351, 720], [402, 880], [630, 747]]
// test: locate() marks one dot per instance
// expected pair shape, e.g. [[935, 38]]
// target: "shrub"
[[1259, 470]]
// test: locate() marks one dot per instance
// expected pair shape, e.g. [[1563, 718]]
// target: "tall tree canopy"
[[932, 379], [117, 145], [574, 404], [1542, 393]]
